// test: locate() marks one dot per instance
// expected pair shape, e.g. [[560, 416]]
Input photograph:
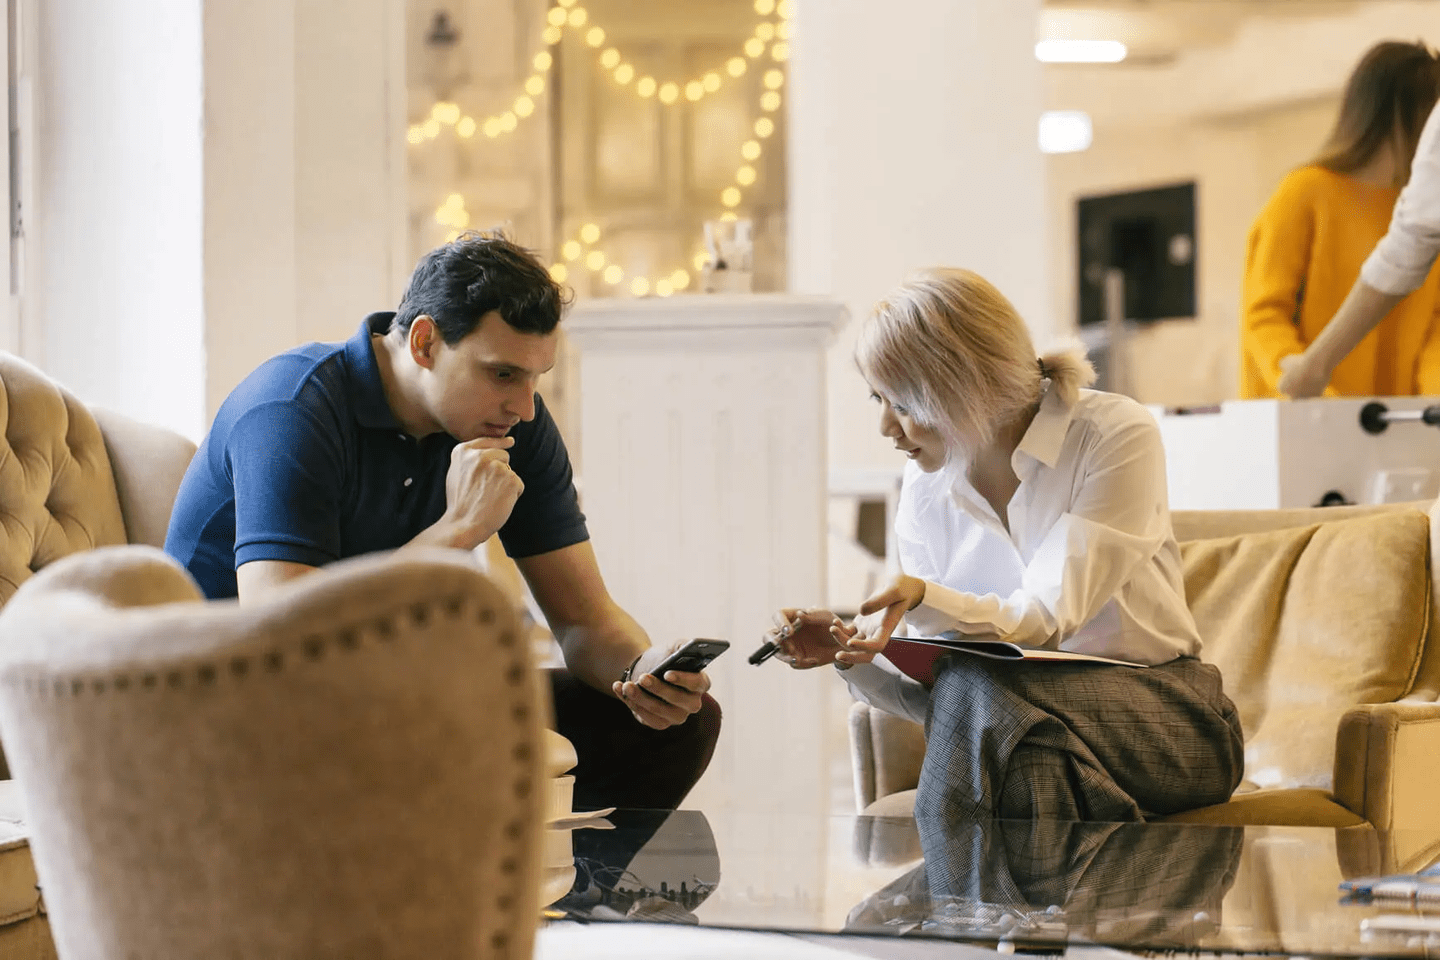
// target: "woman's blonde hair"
[[1387, 98], [950, 347]]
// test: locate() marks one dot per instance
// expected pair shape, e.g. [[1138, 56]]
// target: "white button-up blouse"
[[1089, 562]]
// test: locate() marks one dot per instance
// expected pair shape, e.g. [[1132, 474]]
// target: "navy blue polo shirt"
[[306, 463]]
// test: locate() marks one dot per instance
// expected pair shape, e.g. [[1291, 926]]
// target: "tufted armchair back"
[[72, 479]]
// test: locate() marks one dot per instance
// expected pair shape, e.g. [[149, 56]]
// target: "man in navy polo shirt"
[[424, 429]]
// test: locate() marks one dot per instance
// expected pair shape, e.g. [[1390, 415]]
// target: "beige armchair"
[[355, 767], [1323, 623]]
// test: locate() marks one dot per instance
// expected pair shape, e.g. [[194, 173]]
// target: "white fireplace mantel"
[[703, 475]]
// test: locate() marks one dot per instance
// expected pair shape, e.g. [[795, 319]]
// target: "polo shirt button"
[[409, 480]]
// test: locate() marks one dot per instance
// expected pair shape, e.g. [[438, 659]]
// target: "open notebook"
[[904, 648]]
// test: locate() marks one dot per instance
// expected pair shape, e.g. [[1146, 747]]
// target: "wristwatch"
[[630, 670]]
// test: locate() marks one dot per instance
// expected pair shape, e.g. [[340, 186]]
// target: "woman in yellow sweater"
[[1307, 245]]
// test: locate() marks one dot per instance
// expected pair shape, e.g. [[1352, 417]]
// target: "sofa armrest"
[[148, 463], [862, 755], [887, 752], [1387, 763]]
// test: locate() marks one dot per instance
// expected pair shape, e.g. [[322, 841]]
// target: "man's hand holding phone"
[[666, 683]]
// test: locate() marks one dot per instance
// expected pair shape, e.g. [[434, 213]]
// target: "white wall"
[[113, 299], [912, 143], [215, 184]]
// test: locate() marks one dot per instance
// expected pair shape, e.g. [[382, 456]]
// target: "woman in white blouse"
[[1036, 511]]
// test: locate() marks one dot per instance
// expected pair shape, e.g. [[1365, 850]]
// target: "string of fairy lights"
[[766, 49]]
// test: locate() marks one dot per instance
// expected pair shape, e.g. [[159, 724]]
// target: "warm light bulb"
[[750, 149], [700, 259], [645, 86], [680, 279], [774, 79], [669, 92], [730, 196], [416, 134], [567, 3], [736, 66], [570, 250], [745, 175], [590, 233], [508, 121], [765, 31], [764, 127], [431, 128], [445, 112], [577, 17], [613, 274], [770, 100], [559, 272], [754, 47], [764, 7], [711, 81], [780, 52], [595, 260], [728, 217], [694, 90], [491, 127], [535, 86], [552, 35], [556, 17], [663, 288], [524, 106], [624, 74], [466, 127], [610, 58], [639, 286], [595, 37], [782, 30], [786, 9], [543, 61]]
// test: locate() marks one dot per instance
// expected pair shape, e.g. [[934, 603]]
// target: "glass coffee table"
[[1011, 885]]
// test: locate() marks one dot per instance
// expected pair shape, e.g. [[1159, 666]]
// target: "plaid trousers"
[[1076, 741]]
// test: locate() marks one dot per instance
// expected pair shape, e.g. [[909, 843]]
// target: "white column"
[[213, 183], [703, 482], [913, 143]]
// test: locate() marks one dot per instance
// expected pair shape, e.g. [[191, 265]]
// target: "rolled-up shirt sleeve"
[[1117, 521], [1403, 258]]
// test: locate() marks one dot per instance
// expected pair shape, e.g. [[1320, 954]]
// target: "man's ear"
[[423, 338]]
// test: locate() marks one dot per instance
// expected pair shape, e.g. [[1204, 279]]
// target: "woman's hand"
[[880, 616], [1303, 376], [806, 638]]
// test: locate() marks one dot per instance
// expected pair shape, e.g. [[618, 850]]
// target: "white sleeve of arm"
[[1403, 258], [1117, 522], [881, 685]]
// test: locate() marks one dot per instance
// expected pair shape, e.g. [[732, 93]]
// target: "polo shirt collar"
[[1046, 435], [367, 391]]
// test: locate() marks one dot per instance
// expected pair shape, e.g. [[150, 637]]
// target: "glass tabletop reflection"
[[1030, 885]]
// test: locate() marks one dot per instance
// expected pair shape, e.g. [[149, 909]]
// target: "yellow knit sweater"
[[1304, 254]]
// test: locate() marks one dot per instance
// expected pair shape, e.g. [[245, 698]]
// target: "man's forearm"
[[1362, 311], [599, 653]]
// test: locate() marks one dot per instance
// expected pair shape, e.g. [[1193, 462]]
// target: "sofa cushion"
[[1304, 807], [1306, 622], [57, 492]]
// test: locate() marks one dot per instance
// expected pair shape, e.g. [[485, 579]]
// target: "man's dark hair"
[[480, 271]]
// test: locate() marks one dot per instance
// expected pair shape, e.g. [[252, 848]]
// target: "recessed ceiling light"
[[1080, 51], [1065, 131]]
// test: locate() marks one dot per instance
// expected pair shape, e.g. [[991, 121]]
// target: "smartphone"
[[693, 657]]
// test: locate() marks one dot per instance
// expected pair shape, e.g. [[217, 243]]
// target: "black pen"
[[770, 647], [766, 651]]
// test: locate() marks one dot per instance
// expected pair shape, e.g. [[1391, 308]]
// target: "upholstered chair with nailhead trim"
[[353, 767], [71, 478]]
